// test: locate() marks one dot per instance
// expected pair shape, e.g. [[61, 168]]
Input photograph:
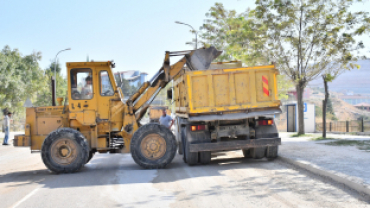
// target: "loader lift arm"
[[198, 59], [141, 100]]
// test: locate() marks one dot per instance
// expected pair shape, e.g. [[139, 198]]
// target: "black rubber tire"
[[272, 152], [182, 133], [82, 150], [179, 138], [190, 157], [258, 152], [91, 155], [205, 157], [247, 153], [165, 133]]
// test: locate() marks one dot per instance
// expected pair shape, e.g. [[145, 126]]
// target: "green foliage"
[[234, 34], [360, 144], [18, 78], [43, 94], [301, 135], [318, 111], [321, 138], [329, 107], [284, 84]]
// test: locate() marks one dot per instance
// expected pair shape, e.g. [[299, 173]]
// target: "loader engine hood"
[[201, 58]]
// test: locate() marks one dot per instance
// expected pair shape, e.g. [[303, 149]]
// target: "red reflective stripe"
[[264, 79], [266, 91]]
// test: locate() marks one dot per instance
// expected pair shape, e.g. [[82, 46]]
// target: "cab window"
[[81, 84], [106, 88]]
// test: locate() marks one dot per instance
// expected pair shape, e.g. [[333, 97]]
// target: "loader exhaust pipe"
[[53, 91]]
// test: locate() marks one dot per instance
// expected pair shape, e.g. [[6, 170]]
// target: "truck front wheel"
[[65, 151], [153, 146]]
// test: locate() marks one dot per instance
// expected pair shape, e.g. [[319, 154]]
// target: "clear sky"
[[135, 34]]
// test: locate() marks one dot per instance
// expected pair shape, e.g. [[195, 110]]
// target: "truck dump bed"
[[216, 91]]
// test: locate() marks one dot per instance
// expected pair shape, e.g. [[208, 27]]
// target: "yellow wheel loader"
[[97, 118]]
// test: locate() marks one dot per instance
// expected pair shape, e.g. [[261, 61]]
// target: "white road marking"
[[25, 198]]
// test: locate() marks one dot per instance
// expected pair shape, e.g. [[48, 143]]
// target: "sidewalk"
[[344, 164]]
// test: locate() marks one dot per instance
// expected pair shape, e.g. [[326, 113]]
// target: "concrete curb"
[[348, 133], [340, 178]]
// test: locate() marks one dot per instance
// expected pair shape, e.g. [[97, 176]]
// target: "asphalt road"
[[114, 180]]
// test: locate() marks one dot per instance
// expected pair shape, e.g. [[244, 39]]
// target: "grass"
[[360, 144], [302, 135], [321, 138]]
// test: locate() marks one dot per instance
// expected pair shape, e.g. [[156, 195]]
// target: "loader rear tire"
[[153, 146], [65, 151]]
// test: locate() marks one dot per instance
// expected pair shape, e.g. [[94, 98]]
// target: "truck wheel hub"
[[64, 151], [153, 146]]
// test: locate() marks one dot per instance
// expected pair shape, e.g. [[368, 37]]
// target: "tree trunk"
[[300, 89], [324, 103]]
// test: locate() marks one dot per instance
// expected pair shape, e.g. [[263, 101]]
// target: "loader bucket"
[[201, 58]]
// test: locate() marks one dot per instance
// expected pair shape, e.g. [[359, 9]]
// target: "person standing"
[[6, 126], [166, 120]]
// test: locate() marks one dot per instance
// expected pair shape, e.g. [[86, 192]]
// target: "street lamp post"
[[196, 33], [55, 76]]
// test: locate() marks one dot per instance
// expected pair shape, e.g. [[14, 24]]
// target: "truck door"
[[82, 99]]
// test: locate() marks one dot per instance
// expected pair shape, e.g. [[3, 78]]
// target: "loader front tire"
[[91, 155], [65, 151], [153, 146]]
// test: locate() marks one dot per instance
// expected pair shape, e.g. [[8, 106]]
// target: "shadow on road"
[[110, 169]]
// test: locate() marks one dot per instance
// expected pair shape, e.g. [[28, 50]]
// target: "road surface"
[[114, 180]]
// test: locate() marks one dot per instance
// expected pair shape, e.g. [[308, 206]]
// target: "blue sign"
[[305, 107]]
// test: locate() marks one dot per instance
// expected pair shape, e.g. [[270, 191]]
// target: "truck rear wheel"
[[205, 157], [153, 146], [65, 151], [247, 153], [272, 151], [191, 158], [258, 152]]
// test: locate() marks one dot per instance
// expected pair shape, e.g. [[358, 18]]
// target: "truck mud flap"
[[234, 145]]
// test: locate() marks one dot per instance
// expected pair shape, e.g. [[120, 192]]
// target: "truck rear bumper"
[[235, 145]]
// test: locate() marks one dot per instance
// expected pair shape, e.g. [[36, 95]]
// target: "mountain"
[[356, 80]]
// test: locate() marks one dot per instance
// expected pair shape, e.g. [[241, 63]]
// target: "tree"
[[235, 34], [305, 36], [43, 93], [332, 71], [215, 30], [18, 78]]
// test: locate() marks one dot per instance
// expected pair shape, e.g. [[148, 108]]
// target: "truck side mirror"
[[169, 94]]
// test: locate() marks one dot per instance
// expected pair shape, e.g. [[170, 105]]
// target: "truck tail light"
[[265, 122], [198, 128]]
